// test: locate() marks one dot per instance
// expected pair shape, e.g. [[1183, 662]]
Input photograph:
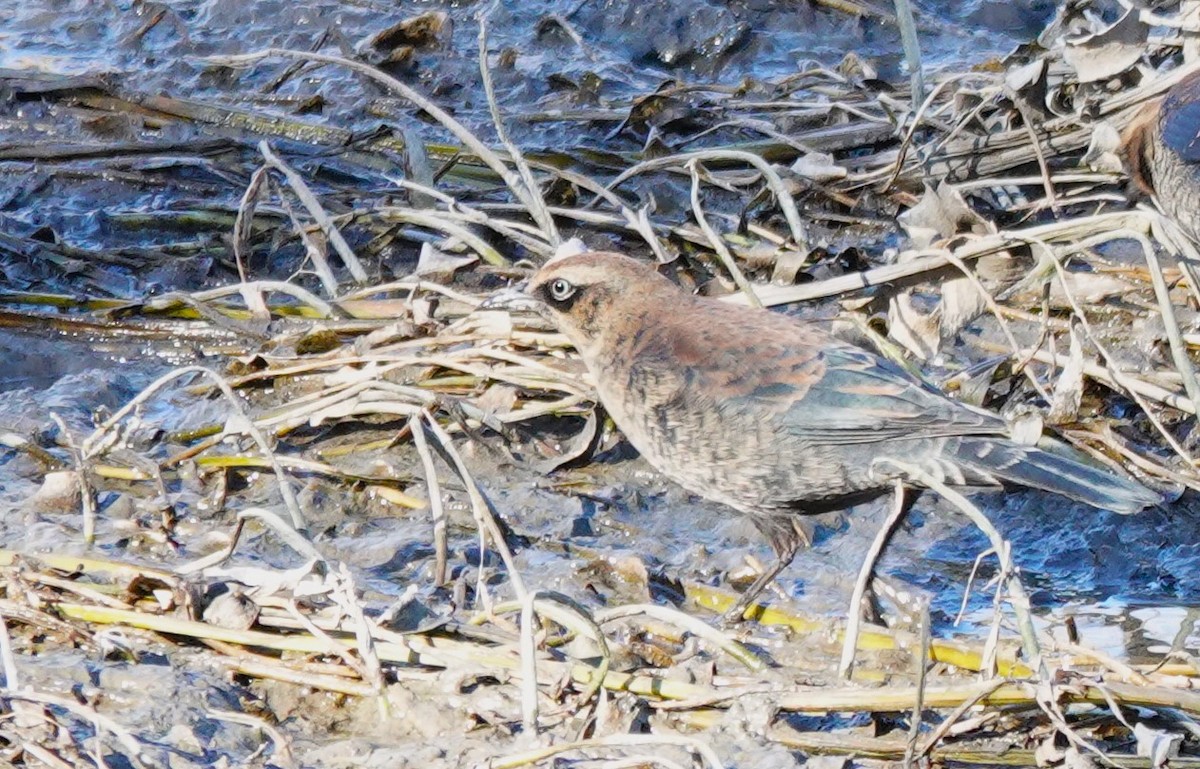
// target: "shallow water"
[[1132, 583], [629, 49]]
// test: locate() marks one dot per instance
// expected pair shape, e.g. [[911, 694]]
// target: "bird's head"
[[593, 297]]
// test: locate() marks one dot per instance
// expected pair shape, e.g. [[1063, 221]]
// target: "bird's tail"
[[1008, 462]]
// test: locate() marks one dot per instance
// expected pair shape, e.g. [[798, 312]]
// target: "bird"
[[1162, 151], [773, 416]]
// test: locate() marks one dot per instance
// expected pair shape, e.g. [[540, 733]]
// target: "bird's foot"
[[737, 613], [747, 602]]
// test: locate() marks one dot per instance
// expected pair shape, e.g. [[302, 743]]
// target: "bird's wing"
[[811, 384], [822, 389], [1181, 119], [862, 398]]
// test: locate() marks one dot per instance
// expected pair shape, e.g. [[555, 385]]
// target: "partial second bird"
[[1162, 149], [773, 416]]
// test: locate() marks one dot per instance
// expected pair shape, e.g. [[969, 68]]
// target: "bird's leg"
[[787, 537], [738, 612]]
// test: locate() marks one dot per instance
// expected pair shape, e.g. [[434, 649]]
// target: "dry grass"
[[417, 353]]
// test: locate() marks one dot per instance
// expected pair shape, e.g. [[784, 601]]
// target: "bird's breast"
[[718, 447]]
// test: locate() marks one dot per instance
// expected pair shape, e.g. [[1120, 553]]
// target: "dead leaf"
[[1108, 51], [232, 609], [1085, 287], [941, 213], [578, 446], [259, 582], [1068, 393], [1103, 151], [426, 30], [1020, 79], [1025, 426], [1029, 85], [788, 263], [920, 333], [657, 112], [971, 385], [1074, 758], [318, 340], [855, 67], [625, 575], [1157, 745], [497, 399], [819, 167], [438, 265], [60, 492], [1047, 753], [961, 303], [423, 309], [1088, 288]]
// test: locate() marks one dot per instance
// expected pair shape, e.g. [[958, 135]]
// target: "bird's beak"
[[512, 299]]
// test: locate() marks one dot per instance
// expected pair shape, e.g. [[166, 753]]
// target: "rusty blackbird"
[[775, 417]]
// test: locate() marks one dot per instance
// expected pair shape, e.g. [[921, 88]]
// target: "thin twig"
[[436, 509], [82, 460], [246, 289], [786, 202], [488, 528], [912, 48], [1179, 353], [489, 158], [921, 667], [985, 689], [8, 663], [614, 741], [239, 422], [99, 722], [1017, 598], [1118, 376], [243, 225], [538, 208], [317, 212], [282, 754], [865, 572], [529, 670], [717, 243]]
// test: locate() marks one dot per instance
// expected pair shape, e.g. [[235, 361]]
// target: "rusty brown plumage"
[[1162, 152], [775, 417]]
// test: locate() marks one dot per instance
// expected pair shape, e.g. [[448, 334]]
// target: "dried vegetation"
[[1013, 217]]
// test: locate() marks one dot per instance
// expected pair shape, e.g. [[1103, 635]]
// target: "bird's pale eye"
[[561, 290]]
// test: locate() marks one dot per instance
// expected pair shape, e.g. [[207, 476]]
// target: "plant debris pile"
[[360, 519]]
